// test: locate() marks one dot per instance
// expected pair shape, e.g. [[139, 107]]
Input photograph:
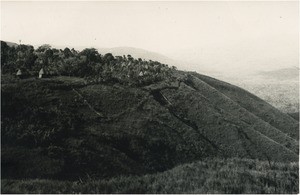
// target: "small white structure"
[[19, 73], [41, 73], [141, 74]]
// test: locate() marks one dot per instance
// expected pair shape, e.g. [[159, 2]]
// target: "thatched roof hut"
[[19, 72], [41, 73]]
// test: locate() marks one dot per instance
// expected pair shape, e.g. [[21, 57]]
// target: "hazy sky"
[[223, 35]]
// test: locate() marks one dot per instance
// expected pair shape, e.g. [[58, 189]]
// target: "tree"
[[129, 57], [91, 54], [4, 53], [67, 52], [8, 58], [43, 48], [49, 53], [108, 58], [29, 60], [74, 52], [69, 67]]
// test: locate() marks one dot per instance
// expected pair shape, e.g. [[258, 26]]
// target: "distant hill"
[[279, 90], [11, 44], [273, 86], [281, 74], [139, 53], [62, 127]]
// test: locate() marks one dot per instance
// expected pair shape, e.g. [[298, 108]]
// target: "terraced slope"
[[63, 128]]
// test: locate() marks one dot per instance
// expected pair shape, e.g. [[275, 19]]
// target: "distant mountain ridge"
[[281, 74], [139, 53], [11, 44]]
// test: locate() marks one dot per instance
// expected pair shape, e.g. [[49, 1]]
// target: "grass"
[[233, 129], [51, 132], [209, 176], [255, 106], [47, 125]]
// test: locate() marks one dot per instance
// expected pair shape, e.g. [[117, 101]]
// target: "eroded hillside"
[[62, 127]]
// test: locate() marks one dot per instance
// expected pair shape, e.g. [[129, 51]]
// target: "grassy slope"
[[256, 106], [209, 176], [295, 115], [113, 129], [46, 105], [219, 120]]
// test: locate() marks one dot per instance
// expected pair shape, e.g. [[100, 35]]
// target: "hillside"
[[230, 176], [80, 115], [63, 127], [255, 105], [279, 90], [295, 115]]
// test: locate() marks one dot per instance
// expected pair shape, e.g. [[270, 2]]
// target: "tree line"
[[88, 63]]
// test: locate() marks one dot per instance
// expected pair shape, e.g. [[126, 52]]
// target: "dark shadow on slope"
[[159, 97]]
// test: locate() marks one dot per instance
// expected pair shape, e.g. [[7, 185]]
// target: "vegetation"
[[209, 176], [111, 121], [64, 128], [88, 64], [295, 115]]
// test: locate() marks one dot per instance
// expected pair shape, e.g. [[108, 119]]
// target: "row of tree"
[[87, 63]]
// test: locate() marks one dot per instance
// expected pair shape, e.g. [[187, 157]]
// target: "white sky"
[[220, 35]]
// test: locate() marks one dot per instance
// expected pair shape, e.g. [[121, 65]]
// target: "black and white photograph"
[[149, 97]]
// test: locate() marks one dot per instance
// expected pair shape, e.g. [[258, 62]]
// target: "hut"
[[141, 74], [41, 73], [19, 74]]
